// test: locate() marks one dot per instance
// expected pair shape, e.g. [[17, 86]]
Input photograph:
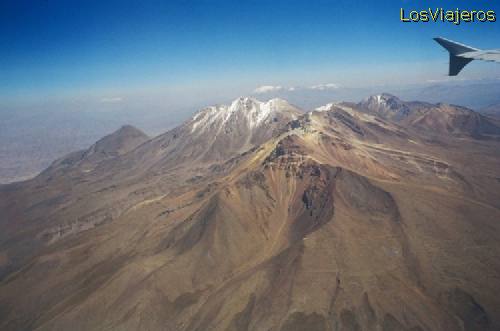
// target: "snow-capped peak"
[[381, 99], [326, 107], [242, 102], [249, 111], [385, 105]]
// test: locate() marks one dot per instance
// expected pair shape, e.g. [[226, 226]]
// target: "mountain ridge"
[[434, 118], [336, 217]]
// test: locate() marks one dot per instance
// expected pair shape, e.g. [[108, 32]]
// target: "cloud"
[[278, 88], [445, 80], [267, 89], [112, 100], [322, 87]]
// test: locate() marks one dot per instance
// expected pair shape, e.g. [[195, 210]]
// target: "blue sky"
[[199, 48]]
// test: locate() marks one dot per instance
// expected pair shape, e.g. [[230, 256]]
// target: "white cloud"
[[446, 80], [275, 88], [322, 87], [267, 89], [111, 99]]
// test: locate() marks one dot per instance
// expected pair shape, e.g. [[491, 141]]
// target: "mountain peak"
[[232, 207], [326, 107], [383, 98], [243, 102], [385, 105], [244, 111], [246, 103], [119, 142], [128, 129]]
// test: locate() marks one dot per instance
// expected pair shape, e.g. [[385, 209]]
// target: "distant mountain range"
[[430, 118], [472, 94], [33, 138], [377, 215]]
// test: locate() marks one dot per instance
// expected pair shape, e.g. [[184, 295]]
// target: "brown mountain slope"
[[118, 143], [434, 119], [215, 134], [92, 187], [341, 221], [456, 120]]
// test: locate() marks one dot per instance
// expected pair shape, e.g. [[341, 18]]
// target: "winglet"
[[453, 47], [457, 63]]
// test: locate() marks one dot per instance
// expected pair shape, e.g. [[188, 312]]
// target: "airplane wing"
[[461, 55], [492, 56]]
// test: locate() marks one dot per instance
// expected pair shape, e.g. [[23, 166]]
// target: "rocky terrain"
[[380, 215], [36, 134]]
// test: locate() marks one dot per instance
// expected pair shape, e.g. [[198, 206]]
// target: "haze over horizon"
[[199, 52], [71, 73], [248, 165]]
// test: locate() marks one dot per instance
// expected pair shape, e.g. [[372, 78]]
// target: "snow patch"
[[326, 107], [249, 110]]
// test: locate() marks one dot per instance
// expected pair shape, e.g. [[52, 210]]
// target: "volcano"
[[380, 215]]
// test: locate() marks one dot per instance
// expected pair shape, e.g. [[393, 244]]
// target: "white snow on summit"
[[326, 107], [250, 111]]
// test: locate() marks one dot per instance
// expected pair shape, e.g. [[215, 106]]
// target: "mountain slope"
[[213, 135], [457, 120], [435, 118], [122, 170], [388, 106], [118, 143], [337, 220]]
